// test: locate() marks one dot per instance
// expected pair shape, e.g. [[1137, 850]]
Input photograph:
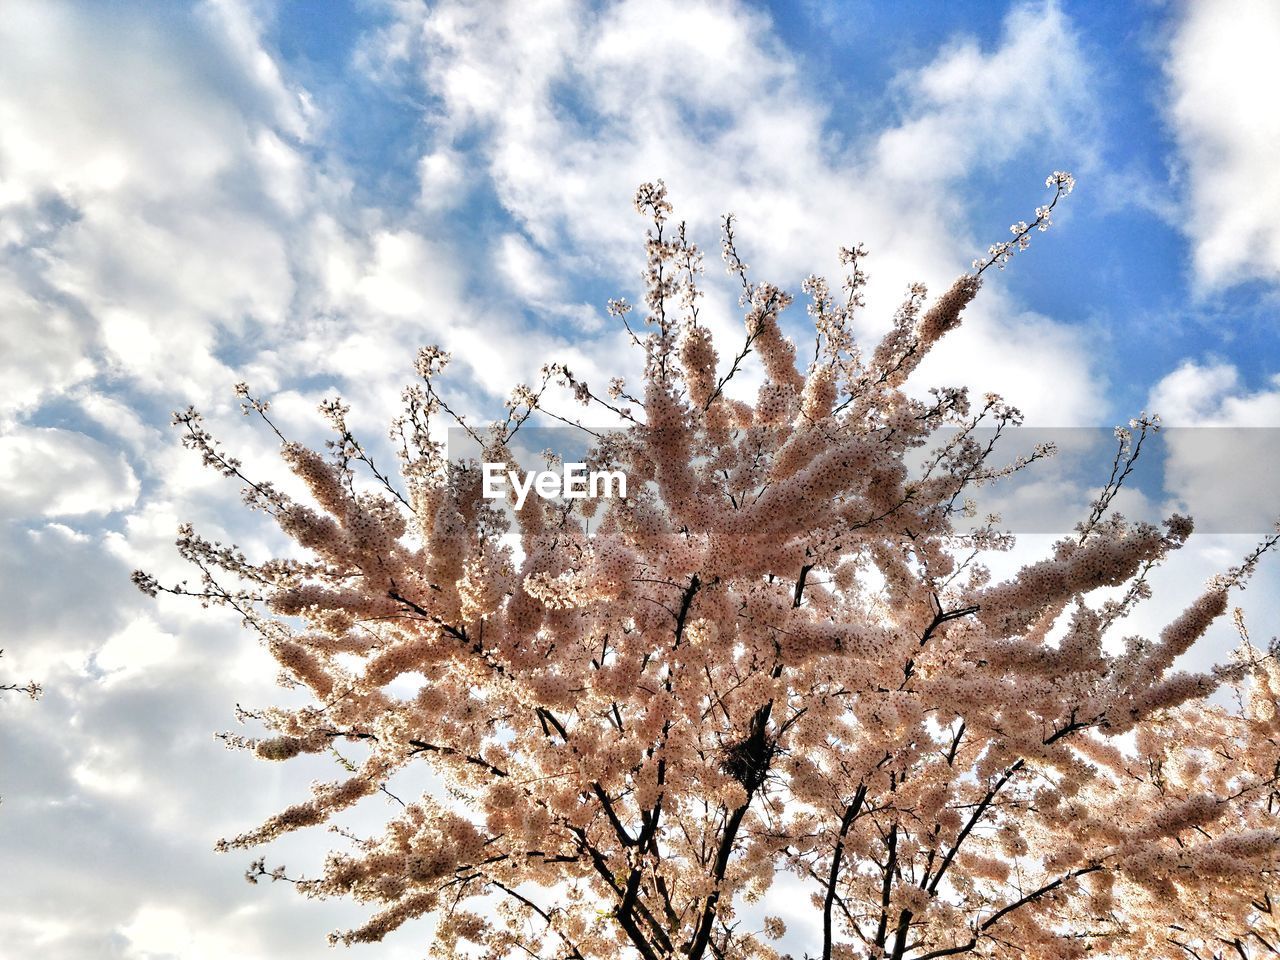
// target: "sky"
[[299, 194]]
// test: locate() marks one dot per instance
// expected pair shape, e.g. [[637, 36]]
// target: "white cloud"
[[45, 347], [571, 111], [1223, 69], [52, 473], [162, 931], [239, 27], [1212, 395], [973, 108], [159, 185], [523, 269], [149, 250], [393, 284], [114, 414], [441, 180], [1222, 463], [138, 646], [47, 634]]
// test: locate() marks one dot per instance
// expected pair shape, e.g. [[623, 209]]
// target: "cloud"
[[140, 646], [140, 151], [973, 109], [1212, 394], [1223, 451], [1223, 72], [64, 598], [523, 269], [561, 113], [168, 214], [56, 473], [441, 180], [45, 345]]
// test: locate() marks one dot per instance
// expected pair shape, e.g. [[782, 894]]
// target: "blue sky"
[[299, 194]]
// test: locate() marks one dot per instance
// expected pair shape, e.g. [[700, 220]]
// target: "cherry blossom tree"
[[781, 652]]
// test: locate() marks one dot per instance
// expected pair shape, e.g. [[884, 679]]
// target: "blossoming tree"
[[779, 653]]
